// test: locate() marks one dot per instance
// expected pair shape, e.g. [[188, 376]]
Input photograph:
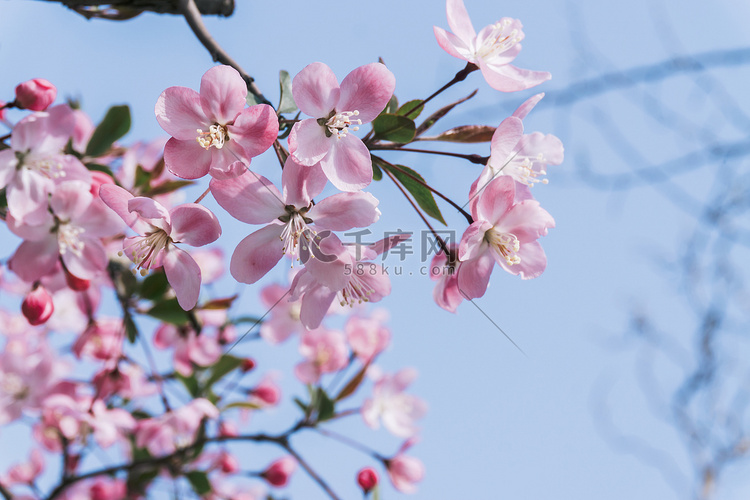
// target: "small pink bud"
[[37, 307], [247, 364], [228, 429], [277, 474], [229, 464], [75, 283], [268, 394], [367, 479], [36, 94], [97, 179]]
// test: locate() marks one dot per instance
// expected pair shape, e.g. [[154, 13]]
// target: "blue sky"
[[501, 424]]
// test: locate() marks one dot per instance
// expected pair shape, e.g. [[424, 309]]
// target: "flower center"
[[295, 228], [146, 250], [521, 168], [498, 41], [216, 136], [12, 385], [48, 166], [355, 291], [340, 123], [68, 239], [505, 244], [294, 311]]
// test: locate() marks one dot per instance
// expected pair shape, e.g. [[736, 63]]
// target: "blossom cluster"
[[99, 220]]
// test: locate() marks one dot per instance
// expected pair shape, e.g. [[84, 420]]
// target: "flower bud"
[[37, 307], [277, 474], [35, 95], [228, 429], [228, 463], [76, 284], [97, 179], [247, 365], [367, 479]]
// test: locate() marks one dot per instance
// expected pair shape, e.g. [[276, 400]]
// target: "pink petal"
[[93, 259], [117, 199], [508, 78], [496, 199], [34, 259], [178, 111], [367, 89], [472, 242], [527, 221], [8, 162], [228, 162], [186, 159], [28, 232], [165, 336], [194, 224], [184, 275], [257, 254], [344, 211], [348, 165], [315, 304], [150, 209], [459, 21], [334, 274], [255, 129], [548, 145], [307, 372], [308, 142], [70, 200], [250, 198], [301, 183], [452, 44], [475, 275], [27, 196], [316, 90], [527, 106], [504, 141], [222, 94], [533, 261]]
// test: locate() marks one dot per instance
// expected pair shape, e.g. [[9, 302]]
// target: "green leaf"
[[100, 168], [169, 311], [377, 174], [391, 107], [411, 109], [223, 303], [166, 187], [154, 286], [434, 117], [394, 128], [465, 133], [302, 406], [422, 195], [130, 329], [190, 383], [226, 364], [286, 101], [246, 319], [115, 124], [199, 481], [351, 386], [325, 405], [251, 100], [246, 405]]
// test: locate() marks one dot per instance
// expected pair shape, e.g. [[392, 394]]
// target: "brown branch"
[[90, 8], [192, 15]]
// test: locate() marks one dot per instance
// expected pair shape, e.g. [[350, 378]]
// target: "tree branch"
[[90, 8]]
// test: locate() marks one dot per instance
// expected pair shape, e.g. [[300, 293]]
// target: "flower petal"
[[222, 94], [301, 183], [496, 200], [178, 111], [186, 159], [308, 142], [508, 78], [459, 20], [34, 259], [367, 89], [91, 260], [348, 164], [194, 224], [316, 90], [475, 275], [184, 275], [344, 211], [257, 254], [452, 44], [255, 129], [250, 198]]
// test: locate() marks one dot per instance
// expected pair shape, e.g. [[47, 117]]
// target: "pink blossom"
[[26, 472], [211, 262], [444, 269], [291, 217], [36, 94], [491, 50], [101, 340], [37, 307], [34, 164], [404, 471], [524, 157], [349, 278], [283, 320], [325, 351], [109, 425], [266, 393], [159, 230], [336, 110], [124, 379], [278, 473], [71, 231], [504, 231], [189, 347], [212, 131], [73, 124], [393, 406], [163, 435], [368, 337], [367, 479], [106, 488]]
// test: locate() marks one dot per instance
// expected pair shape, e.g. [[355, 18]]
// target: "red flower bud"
[[37, 307], [247, 365], [76, 284], [367, 479], [36, 94], [277, 474]]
